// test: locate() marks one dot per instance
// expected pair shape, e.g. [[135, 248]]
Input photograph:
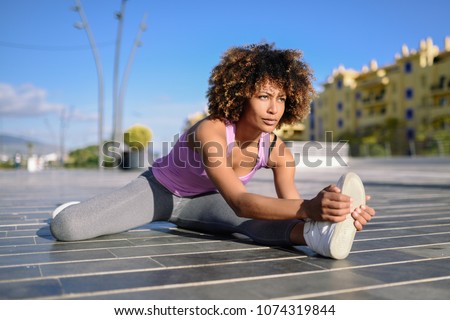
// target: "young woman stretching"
[[200, 184]]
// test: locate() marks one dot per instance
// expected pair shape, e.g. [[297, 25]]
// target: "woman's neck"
[[244, 135]]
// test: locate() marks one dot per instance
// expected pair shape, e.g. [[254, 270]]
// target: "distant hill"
[[9, 145]]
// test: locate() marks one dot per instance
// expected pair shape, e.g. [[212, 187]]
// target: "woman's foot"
[[335, 240]]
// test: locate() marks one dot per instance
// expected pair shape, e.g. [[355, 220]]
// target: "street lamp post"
[[85, 25], [117, 130], [123, 85]]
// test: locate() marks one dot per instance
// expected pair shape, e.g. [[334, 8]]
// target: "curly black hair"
[[243, 70]]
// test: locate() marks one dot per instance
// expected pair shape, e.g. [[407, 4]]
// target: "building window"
[[358, 95], [409, 93], [410, 134], [339, 84], [312, 137], [409, 114], [340, 106], [408, 67], [441, 82], [340, 123], [358, 113]]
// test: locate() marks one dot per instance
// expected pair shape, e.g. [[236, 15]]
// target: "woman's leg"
[[211, 214], [128, 207]]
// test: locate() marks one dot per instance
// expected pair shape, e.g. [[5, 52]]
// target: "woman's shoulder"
[[207, 129], [208, 125]]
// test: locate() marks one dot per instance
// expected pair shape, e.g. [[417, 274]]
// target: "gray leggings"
[[145, 200]]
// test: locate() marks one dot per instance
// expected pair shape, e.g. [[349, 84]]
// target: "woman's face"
[[265, 108]]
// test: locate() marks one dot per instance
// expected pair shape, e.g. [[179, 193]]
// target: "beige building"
[[401, 108]]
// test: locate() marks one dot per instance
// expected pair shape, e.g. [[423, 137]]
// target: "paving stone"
[[251, 254], [432, 290], [23, 272], [30, 289], [98, 266], [38, 258], [179, 276]]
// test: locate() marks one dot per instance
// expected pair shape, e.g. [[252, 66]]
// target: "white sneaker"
[[335, 240], [62, 207]]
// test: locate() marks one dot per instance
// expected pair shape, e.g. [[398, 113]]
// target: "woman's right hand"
[[329, 205]]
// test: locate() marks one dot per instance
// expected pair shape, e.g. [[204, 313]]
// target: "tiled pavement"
[[404, 253]]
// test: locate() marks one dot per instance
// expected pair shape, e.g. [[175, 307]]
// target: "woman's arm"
[[211, 139], [283, 167]]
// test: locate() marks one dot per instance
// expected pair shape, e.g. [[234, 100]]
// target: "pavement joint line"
[[215, 251], [115, 272], [84, 241], [134, 257], [181, 243], [157, 262], [373, 222], [236, 280], [406, 215], [24, 224], [401, 248], [364, 288], [412, 221], [122, 247], [407, 227], [399, 211], [403, 236], [417, 206]]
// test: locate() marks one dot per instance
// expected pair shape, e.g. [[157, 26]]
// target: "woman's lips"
[[270, 122]]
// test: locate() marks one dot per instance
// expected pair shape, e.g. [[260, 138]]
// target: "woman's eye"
[[263, 97], [282, 99]]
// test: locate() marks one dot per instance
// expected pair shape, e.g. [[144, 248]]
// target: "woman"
[[200, 184]]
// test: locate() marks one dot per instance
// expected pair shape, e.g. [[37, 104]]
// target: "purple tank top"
[[182, 171]]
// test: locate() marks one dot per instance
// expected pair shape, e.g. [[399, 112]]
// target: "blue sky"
[[46, 64]]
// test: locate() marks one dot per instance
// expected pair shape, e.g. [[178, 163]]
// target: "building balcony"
[[374, 102], [370, 120], [442, 87], [438, 112], [373, 82]]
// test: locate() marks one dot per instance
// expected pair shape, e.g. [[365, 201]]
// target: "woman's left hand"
[[362, 215]]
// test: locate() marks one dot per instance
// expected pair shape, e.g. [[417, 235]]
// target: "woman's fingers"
[[362, 216]]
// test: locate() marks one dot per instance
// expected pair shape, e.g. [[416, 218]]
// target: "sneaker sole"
[[62, 207], [342, 239]]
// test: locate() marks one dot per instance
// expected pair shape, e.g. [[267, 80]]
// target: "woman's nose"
[[273, 108]]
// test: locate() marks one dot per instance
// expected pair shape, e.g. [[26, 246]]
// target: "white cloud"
[[25, 100], [78, 115]]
